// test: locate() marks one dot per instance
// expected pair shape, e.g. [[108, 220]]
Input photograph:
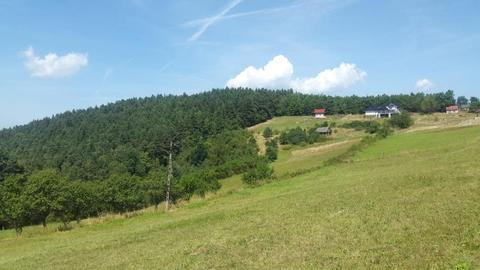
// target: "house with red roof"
[[452, 109], [319, 113]]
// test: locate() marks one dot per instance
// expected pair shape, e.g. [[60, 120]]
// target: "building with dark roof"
[[382, 111]]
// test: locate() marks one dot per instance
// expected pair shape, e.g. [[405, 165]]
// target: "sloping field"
[[411, 201]]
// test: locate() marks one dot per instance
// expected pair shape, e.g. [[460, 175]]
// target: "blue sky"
[[60, 55]]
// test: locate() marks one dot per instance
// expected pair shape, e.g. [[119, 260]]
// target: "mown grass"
[[410, 201]]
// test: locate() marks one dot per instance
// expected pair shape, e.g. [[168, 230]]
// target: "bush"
[[200, 182], [403, 120], [267, 133], [298, 136], [368, 126], [271, 152], [383, 131], [260, 172], [293, 136]]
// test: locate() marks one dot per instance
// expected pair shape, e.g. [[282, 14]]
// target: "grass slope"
[[410, 201]]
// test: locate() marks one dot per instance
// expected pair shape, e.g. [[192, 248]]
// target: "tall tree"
[[15, 210], [429, 104], [45, 192], [462, 101]]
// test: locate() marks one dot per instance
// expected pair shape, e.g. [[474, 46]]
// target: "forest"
[[116, 157]]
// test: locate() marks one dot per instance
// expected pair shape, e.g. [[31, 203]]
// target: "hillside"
[[363, 214], [92, 144]]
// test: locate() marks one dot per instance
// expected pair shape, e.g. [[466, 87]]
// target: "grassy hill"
[[409, 201]]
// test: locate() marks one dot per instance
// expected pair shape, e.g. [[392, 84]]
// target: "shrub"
[[298, 136], [383, 131], [271, 152], [293, 136], [260, 172], [267, 133], [200, 182], [403, 120], [368, 126]]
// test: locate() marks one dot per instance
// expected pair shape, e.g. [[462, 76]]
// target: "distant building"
[[319, 113], [324, 130], [452, 109], [382, 111]]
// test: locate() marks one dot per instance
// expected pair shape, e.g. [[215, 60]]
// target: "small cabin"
[[382, 111], [324, 131], [451, 109], [319, 113]]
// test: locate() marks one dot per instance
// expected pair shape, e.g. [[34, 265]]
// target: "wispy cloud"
[[198, 22], [108, 72], [296, 4], [206, 23]]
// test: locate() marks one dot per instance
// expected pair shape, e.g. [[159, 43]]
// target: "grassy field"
[[410, 201], [286, 122]]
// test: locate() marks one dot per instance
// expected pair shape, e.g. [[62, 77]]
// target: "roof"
[[382, 108], [323, 130], [376, 108], [452, 108], [319, 111]]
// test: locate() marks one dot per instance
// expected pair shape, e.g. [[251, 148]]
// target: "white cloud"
[[278, 72], [206, 23], [424, 85], [52, 65]]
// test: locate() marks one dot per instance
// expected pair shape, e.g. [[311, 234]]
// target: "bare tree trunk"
[[169, 177]]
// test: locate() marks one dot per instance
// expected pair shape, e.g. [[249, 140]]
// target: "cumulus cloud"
[[424, 85], [278, 74], [52, 65]]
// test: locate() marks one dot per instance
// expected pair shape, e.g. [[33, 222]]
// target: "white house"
[[319, 113], [382, 111]]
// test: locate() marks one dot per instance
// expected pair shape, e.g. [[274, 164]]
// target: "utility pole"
[[169, 177]]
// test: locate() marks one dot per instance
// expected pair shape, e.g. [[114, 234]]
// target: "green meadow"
[[410, 201]]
